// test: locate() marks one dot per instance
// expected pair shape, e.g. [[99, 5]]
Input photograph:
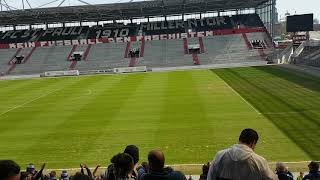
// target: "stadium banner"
[[131, 39], [130, 69], [62, 73]]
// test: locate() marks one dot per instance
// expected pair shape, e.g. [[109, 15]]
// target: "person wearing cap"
[[31, 169], [64, 175], [9, 170], [133, 151], [314, 173], [282, 172]]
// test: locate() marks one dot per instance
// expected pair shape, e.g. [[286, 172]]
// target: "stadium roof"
[[117, 11]]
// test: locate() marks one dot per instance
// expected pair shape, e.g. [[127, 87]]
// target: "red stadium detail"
[[126, 52], [86, 53], [185, 46], [132, 61], [73, 65], [14, 56], [246, 40], [143, 44], [27, 58], [71, 52], [195, 59], [202, 49]]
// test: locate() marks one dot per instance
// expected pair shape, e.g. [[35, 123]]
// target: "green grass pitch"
[[190, 115]]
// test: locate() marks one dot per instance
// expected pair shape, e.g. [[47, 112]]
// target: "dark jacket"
[[284, 176], [165, 174], [313, 175], [109, 174], [203, 177]]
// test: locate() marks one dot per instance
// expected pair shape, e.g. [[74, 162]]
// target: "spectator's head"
[[281, 167], [64, 175], [156, 160], [301, 174], [133, 151], [249, 137], [80, 176], [205, 168], [26, 176], [313, 166], [123, 165], [9, 170], [31, 169], [52, 174]]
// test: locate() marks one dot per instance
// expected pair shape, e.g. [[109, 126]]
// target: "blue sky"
[[299, 6], [292, 6]]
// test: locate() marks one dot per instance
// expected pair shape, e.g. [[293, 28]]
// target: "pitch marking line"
[[252, 107], [28, 102]]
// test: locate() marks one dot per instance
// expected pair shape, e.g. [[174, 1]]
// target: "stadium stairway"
[[7, 67], [103, 56], [73, 63], [220, 49], [153, 55], [80, 48], [28, 58]]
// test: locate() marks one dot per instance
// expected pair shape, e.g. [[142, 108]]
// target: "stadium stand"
[[310, 56], [164, 44]]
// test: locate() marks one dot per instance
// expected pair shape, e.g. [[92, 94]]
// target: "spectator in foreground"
[[25, 176], [31, 169], [52, 175], [64, 175], [9, 170], [133, 151], [300, 177], [123, 167], [314, 173], [80, 176], [157, 171], [240, 161], [282, 172], [205, 170]]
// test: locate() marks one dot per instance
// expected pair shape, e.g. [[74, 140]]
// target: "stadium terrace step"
[[133, 62], [12, 67], [195, 59], [262, 54], [185, 46], [86, 53], [126, 52], [73, 65], [202, 50], [27, 58], [246, 40], [14, 56], [72, 51], [143, 44]]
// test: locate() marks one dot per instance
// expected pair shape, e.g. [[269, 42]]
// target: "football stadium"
[[156, 89]]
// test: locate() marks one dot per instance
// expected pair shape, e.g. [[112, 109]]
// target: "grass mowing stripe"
[[67, 124], [188, 114], [289, 123]]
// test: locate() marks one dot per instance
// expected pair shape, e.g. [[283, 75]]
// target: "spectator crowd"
[[238, 162]]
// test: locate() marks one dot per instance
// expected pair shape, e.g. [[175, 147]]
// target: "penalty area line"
[[28, 102]]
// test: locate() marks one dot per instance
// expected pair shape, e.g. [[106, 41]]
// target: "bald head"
[[156, 160]]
